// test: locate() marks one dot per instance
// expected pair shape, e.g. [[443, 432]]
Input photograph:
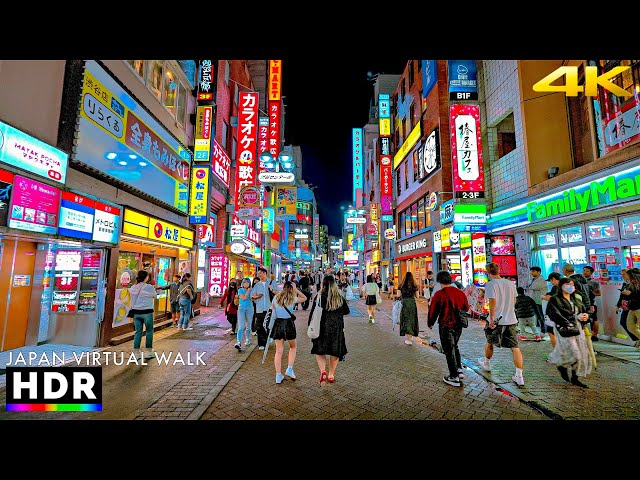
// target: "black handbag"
[[293, 317], [570, 329]]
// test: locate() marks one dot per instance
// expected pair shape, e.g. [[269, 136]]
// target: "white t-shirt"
[[504, 291]]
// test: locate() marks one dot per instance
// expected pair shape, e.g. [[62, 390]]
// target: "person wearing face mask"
[[571, 353]]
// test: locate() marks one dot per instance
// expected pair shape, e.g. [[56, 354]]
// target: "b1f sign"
[[56, 389]]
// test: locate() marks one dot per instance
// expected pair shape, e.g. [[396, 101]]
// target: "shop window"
[[154, 78], [545, 239], [414, 217], [571, 234], [415, 165], [407, 222], [181, 108], [170, 92], [576, 256], [421, 215], [506, 136], [138, 67], [630, 226], [601, 230], [606, 264], [547, 260], [632, 257]]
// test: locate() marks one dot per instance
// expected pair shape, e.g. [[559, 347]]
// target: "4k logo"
[[591, 82]]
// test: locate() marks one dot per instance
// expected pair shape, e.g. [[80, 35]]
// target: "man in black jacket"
[[581, 285], [305, 287]]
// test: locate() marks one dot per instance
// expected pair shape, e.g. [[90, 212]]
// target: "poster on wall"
[[286, 203], [88, 301], [480, 275], [34, 206], [502, 245], [6, 185], [126, 273], [116, 136], [507, 265], [66, 279]]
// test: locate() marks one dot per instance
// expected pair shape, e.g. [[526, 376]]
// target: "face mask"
[[569, 288]]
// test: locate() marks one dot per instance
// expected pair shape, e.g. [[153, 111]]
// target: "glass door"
[[607, 264], [164, 274]]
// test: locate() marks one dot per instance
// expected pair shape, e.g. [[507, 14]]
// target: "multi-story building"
[[96, 174], [563, 174]]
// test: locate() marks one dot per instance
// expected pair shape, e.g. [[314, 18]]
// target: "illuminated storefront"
[[414, 255]]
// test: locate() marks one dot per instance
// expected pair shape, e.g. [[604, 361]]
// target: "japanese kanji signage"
[[446, 212], [429, 76], [247, 142], [384, 114], [143, 226], [202, 146], [263, 136], [316, 229], [221, 163], [23, 151], [133, 149], [218, 274], [199, 198], [357, 160], [386, 184], [275, 108], [275, 79], [617, 128], [205, 81], [466, 151]]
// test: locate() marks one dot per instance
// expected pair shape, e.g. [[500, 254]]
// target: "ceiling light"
[[111, 155], [143, 164], [122, 162], [132, 156]]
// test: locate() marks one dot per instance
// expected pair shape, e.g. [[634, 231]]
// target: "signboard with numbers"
[[117, 137], [247, 142], [202, 142], [466, 151]]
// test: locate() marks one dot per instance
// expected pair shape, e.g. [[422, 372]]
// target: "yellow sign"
[[199, 195], [141, 225], [375, 256], [444, 238], [202, 142], [385, 127], [374, 212], [275, 79], [407, 145], [286, 198]]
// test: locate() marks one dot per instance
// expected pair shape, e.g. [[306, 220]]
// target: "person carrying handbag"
[[284, 327], [331, 340], [408, 292], [571, 352], [185, 295], [445, 305], [231, 310]]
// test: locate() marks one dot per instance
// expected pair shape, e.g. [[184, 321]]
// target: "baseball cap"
[[555, 275]]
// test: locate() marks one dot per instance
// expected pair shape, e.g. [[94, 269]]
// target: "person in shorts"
[[501, 329]]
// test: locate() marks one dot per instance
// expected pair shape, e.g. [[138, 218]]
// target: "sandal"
[[331, 379], [323, 377]]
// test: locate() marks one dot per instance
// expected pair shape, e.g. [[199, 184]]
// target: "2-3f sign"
[[591, 82]]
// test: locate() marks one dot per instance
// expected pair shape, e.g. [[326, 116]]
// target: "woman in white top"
[[370, 290], [143, 297], [284, 328]]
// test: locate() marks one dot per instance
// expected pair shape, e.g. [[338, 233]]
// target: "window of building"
[[571, 234], [227, 69], [394, 106], [154, 78], [181, 108], [170, 90], [412, 115], [403, 90], [396, 138], [421, 214], [233, 149], [189, 67], [398, 183], [415, 164], [236, 97], [630, 226], [411, 62], [545, 239], [414, 217], [138, 67], [225, 133], [407, 222], [506, 131], [404, 130], [406, 175], [601, 230], [580, 125]]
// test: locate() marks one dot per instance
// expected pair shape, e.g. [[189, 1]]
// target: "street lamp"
[[284, 162]]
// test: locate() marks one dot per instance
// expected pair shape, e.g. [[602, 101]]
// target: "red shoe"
[[323, 377], [331, 379]]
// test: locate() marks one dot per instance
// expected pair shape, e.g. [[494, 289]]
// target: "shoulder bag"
[[313, 331], [461, 316], [130, 314], [293, 317], [571, 327]]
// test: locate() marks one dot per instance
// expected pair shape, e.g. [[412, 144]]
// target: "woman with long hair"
[[231, 311], [633, 294], [331, 339], [408, 293], [570, 353], [284, 328], [143, 296], [370, 291], [245, 314], [622, 307]]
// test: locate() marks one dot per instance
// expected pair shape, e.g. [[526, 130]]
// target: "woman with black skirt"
[[370, 291], [331, 339], [408, 292], [231, 311]]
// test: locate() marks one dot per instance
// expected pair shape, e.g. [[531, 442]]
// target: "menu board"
[[34, 206]]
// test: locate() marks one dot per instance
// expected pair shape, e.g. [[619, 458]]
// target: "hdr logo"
[[58, 389]]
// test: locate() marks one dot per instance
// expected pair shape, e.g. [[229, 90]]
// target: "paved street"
[[382, 378]]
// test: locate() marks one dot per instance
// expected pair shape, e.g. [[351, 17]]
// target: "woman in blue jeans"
[[143, 296], [245, 314], [185, 295]]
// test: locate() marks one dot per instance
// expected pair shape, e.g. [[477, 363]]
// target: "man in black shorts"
[[501, 328]]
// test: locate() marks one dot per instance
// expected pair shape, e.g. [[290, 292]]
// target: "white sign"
[[409, 246], [350, 257], [301, 235], [238, 248], [276, 177], [468, 164], [430, 153], [238, 231], [76, 220], [437, 242], [248, 213], [470, 218], [356, 220], [433, 201], [390, 234], [466, 266], [106, 226]]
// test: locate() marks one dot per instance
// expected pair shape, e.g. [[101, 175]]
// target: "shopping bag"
[[313, 331], [349, 295], [396, 311]]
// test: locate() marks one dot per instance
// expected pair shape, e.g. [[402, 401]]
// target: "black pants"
[[540, 318], [232, 318], [449, 340], [262, 332], [305, 304], [623, 324]]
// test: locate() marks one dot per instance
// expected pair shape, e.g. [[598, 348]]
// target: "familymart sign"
[[613, 189]]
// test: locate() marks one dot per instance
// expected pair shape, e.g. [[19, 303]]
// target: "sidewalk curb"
[[508, 387]]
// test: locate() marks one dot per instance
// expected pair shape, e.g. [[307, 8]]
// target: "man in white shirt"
[[501, 330], [260, 294]]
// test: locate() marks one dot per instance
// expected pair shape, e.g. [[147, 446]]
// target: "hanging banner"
[[286, 203], [316, 229], [199, 198], [221, 163], [275, 110], [466, 151], [263, 139], [202, 142], [218, 274], [275, 79], [268, 220], [206, 81], [480, 275], [247, 138], [429, 76]]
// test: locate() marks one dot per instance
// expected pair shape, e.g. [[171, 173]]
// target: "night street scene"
[[217, 240]]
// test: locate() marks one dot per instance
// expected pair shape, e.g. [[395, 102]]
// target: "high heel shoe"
[[331, 379], [323, 377]]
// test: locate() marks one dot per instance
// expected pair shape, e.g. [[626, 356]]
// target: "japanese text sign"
[[202, 145], [218, 274], [357, 159], [466, 151], [275, 79], [221, 163], [275, 109], [199, 198], [34, 206], [386, 184], [247, 138]]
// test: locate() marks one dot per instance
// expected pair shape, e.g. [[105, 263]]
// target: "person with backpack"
[[186, 295], [527, 315]]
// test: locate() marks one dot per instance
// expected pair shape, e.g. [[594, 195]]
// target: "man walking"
[[594, 291], [536, 288], [430, 282], [260, 295], [305, 287], [501, 328], [318, 280], [444, 307]]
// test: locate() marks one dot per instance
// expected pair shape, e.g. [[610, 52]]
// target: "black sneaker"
[[453, 381]]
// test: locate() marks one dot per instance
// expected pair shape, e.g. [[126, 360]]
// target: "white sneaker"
[[260, 348], [238, 347], [247, 343], [485, 366], [408, 342], [148, 355], [518, 379], [254, 333], [460, 373], [270, 341]]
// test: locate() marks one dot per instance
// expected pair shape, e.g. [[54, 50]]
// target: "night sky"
[[321, 110]]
